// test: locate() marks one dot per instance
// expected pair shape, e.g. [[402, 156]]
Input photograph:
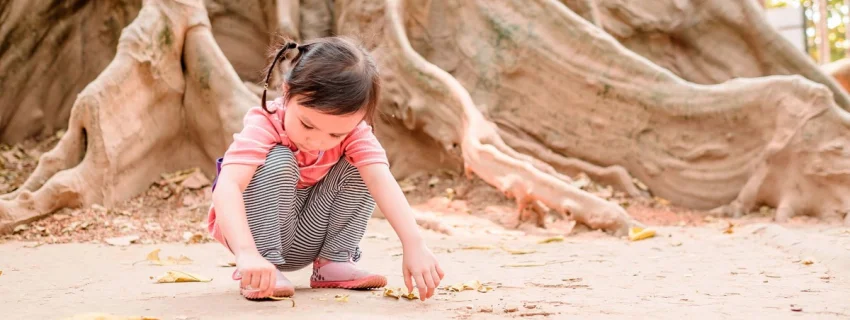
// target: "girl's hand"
[[421, 265], [257, 272]]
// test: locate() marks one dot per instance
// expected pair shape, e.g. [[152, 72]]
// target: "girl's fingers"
[[440, 271], [264, 284], [256, 277], [420, 283], [246, 280], [436, 277], [407, 281], [429, 280]]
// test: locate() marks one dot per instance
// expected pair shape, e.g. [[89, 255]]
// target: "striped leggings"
[[292, 227]]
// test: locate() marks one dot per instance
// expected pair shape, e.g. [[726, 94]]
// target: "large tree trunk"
[[521, 93]]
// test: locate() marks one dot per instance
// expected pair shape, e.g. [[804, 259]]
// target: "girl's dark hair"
[[333, 75]]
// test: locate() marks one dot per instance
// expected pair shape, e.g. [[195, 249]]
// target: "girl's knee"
[[280, 164]]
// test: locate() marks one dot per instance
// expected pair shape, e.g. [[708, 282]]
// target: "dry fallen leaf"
[[477, 248], [341, 297], [796, 308], [104, 316], [400, 293], [638, 233], [510, 309], [1, 272], [282, 299], [518, 251], [662, 201], [552, 239], [190, 237], [808, 261], [676, 243], [389, 292], [227, 264], [470, 285], [122, 241], [179, 276], [153, 257], [729, 228]]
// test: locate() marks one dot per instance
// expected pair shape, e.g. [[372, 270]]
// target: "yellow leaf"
[[104, 316], [227, 264], [1, 272], [153, 256], [179, 276], [397, 293], [552, 239], [638, 233], [518, 251], [808, 261], [389, 292], [414, 295], [282, 299], [341, 297], [477, 248], [730, 228]]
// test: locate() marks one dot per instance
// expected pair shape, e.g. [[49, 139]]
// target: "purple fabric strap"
[[217, 172]]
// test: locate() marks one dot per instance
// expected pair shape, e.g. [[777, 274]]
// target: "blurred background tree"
[[833, 28]]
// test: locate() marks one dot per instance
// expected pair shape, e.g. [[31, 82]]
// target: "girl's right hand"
[[257, 273]]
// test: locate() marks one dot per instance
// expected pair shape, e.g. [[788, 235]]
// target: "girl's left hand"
[[420, 264]]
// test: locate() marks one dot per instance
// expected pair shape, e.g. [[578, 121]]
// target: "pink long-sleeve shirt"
[[262, 131]]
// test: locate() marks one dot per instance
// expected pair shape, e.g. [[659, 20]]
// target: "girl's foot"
[[345, 275], [282, 288]]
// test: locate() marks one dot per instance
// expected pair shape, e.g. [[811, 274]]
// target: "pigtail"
[[281, 54]]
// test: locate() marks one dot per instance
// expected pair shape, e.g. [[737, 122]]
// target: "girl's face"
[[311, 130]]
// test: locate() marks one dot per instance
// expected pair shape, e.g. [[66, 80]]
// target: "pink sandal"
[[282, 288], [331, 274]]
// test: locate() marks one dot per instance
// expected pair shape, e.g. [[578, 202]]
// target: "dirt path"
[[754, 272]]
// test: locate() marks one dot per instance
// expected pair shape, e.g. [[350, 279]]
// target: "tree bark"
[[518, 93]]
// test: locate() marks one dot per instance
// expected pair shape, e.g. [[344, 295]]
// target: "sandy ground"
[[758, 271]]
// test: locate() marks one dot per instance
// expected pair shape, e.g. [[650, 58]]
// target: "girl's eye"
[[306, 126], [336, 136]]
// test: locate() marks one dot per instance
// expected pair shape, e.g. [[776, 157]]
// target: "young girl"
[[299, 183]]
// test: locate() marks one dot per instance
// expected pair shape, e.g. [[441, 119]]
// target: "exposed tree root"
[[517, 178], [706, 42], [564, 84], [140, 117]]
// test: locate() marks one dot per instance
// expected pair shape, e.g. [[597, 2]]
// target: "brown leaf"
[[227, 264], [552, 239], [518, 251], [729, 228], [282, 299], [796, 308], [510, 309], [122, 241], [180, 276], [808, 261], [190, 237], [477, 248]]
